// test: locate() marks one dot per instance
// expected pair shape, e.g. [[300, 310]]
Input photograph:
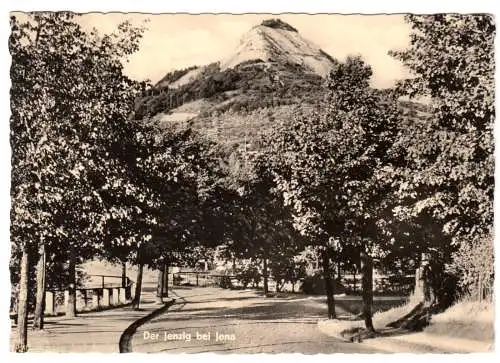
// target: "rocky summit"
[[276, 41]]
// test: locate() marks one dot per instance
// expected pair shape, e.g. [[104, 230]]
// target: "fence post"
[[122, 297], [49, 303], [116, 297], [105, 297], [84, 295], [95, 298], [128, 290], [197, 279], [66, 300]]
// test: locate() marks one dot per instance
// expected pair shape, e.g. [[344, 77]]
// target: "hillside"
[[272, 71], [247, 86]]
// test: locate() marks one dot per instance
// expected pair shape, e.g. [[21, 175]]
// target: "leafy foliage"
[[86, 175], [450, 156], [446, 183], [327, 162], [248, 272], [286, 266], [78, 112], [474, 264]]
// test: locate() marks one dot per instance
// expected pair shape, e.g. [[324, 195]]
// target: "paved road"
[[249, 323]]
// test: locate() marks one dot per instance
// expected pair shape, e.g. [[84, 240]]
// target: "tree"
[[69, 98], [172, 205], [260, 220], [285, 265], [448, 178], [327, 168]]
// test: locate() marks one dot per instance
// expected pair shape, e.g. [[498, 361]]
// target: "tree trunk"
[[264, 273], [419, 291], [367, 288], [138, 288], [165, 280], [40, 289], [424, 299], [429, 279], [327, 275], [71, 303], [354, 281], [423, 282], [22, 305], [124, 274], [159, 285]]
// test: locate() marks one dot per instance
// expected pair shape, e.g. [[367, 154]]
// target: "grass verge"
[[467, 320]]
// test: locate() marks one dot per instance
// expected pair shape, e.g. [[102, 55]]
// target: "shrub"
[[473, 264], [177, 279], [315, 285], [248, 273], [225, 282]]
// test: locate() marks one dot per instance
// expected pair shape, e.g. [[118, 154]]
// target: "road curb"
[[125, 343]]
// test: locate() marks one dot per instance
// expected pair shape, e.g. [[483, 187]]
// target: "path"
[[251, 323], [98, 331]]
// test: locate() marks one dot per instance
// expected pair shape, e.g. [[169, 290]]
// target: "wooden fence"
[[203, 279], [99, 294], [390, 285]]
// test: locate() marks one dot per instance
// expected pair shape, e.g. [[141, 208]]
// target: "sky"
[[175, 41]]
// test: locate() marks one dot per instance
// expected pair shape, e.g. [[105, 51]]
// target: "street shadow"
[[103, 308], [273, 310], [125, 317], [61, 323], [237, 298], [221, 300], [263, 311], [94, 331], [281, 295], [199, 309], [187, 298], [181, 287]]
